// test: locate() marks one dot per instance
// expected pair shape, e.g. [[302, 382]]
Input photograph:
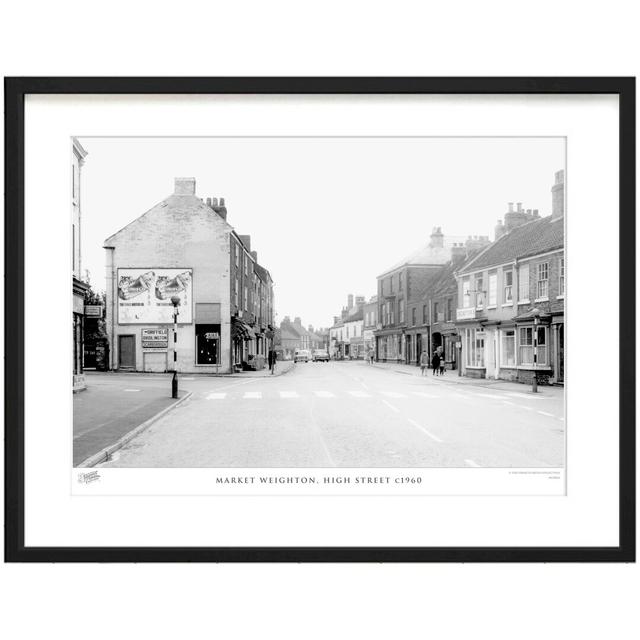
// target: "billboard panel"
[[144, 295]]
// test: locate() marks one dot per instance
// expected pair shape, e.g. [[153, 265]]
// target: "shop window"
[[474, 348], [508, 351], [207, 344]]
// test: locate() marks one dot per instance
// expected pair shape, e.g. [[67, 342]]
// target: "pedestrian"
[[424, 361], [435, 362], [272, 361], [442, 364]]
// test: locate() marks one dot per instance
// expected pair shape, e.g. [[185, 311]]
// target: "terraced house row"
[[490, 308]]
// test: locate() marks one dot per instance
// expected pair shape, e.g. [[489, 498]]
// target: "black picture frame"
[[15, 91]]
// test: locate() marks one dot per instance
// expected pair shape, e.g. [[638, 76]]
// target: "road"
[[350, 414]]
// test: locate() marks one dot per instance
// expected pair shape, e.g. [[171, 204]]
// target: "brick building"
[[403, 313], [512, 295], [185, 248], [79, 287]]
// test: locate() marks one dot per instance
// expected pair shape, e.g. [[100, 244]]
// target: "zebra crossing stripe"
[[325, 394], [289, 394], [216, 396], [253, 394]]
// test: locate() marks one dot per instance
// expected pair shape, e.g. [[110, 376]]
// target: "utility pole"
[[175, 300]]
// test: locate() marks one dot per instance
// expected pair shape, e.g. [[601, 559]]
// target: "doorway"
[[207, 344], [127, 352]]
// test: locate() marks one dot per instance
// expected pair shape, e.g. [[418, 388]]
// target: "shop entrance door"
[[127, 352]]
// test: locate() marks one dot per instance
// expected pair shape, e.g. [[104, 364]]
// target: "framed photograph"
[[320, 319]]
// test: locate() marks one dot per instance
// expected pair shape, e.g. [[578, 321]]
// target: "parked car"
[[301, 355], [320, 355]]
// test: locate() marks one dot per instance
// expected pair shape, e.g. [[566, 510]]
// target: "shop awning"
[[241, 330]]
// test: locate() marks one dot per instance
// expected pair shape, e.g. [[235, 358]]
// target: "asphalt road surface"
[[350, 414]]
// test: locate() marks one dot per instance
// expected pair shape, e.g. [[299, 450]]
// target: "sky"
[[326, 215]]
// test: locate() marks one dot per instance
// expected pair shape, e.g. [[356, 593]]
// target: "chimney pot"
[[511, 207], [519, 205], [185, 187], [214, 202], [208, 202]]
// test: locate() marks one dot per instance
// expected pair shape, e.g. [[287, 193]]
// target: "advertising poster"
[[144, 295]]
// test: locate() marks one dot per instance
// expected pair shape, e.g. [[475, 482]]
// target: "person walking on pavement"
[[424, 361], [272, 361], [435, 362]]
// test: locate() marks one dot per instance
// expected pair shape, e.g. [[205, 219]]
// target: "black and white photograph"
[[319, 302]]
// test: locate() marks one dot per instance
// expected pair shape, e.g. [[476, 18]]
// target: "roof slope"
[[428, 255], [530, 239], [180, 207]]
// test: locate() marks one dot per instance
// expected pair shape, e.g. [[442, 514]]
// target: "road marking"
[[289, 394], [544, 413], [471, 463], [422, 394], [216, 396], [391, 406], [324, 394], [189, 379], [253, 394], [419, 426], [360, 394], [393, 394], [132, 389]]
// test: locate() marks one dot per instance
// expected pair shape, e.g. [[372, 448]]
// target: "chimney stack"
[[246, 241], [557, 196], [254, 255], [437, 238], [499, 229], [350, 301], [208, 202], [184, 187], [458, 252], [511, 207], [297, 321]]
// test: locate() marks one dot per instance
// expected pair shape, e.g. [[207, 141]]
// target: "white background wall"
[[283, 38]]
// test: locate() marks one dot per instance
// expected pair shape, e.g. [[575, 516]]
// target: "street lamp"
[[536, 320], [175, 301]]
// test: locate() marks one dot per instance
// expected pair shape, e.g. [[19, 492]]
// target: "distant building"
[[79, 287], [402, 288], [185, 248], [369, 323], [511, 298], [346, 334]]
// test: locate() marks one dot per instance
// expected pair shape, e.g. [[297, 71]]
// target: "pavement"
[[111, 406], [352, 414]]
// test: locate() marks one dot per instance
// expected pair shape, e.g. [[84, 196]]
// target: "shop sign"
[[467, 313], [93, 310], [144, 295], [212, 335], [155, 340]]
